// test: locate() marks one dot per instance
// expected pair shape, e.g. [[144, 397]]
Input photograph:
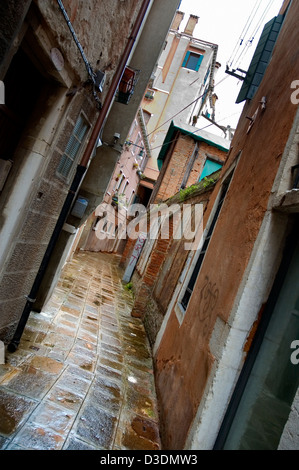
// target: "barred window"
[[73, 147]]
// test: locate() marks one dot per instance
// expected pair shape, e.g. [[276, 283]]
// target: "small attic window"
[[192, 61]]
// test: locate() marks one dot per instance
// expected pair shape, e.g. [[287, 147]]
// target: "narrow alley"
[[82, 376]]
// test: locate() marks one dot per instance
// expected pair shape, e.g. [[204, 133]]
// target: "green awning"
[[195, 135]]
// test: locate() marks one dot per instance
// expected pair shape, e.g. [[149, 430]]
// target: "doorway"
[[23, 87], [263, 397]]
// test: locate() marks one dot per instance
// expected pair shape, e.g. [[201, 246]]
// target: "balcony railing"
[[127, 85]]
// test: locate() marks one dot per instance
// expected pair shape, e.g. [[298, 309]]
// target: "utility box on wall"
[[79, 207]]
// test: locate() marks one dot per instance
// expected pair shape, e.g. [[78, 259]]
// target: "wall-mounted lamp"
[[116, 138]]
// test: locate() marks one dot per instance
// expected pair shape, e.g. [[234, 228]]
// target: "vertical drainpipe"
[[190, 165], [81, 169]]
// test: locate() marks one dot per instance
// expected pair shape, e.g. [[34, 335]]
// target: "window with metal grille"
[[189, 289], [73, 147]]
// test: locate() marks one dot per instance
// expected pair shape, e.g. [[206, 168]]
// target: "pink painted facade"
[[122, 192]]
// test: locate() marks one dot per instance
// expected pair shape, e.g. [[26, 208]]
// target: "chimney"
[[177, 20], [192, 22]]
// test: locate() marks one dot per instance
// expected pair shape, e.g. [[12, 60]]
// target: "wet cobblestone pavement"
[[82, 377]]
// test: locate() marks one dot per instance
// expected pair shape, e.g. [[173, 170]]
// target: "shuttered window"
[[261, 59], [210, 167], [73, 147], [192, 61]]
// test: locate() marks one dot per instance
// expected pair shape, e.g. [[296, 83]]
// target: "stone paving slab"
[[82, 377]]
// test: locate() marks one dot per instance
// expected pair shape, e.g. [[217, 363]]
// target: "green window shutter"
[[261, 59], [192, 61], [209, 168], [199, 63], [73, 147], [186, 59]]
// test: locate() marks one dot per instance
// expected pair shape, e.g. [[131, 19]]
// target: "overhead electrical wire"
[[245, 42], [243, 33], [252, 36], [233, 58], [195, 132], [183, 109]]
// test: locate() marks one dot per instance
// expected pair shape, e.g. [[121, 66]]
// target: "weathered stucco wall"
[[102, 29], [34, 193], [184, 361]]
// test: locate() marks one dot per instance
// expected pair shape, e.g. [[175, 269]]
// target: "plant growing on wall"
[[119, 199], [208, 181]]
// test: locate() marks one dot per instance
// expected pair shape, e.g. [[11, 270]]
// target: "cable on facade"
[[197, 130], [252, 36], [90, 72], [244, 32], [183, 109]]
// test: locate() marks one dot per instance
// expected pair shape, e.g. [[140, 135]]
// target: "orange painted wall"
[[183, 361]]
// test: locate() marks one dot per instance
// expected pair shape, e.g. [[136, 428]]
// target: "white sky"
[[224, 22]]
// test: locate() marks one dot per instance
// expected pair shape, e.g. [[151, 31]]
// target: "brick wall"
[[171, 180], [158, 270], [150, 274], [175, 167]]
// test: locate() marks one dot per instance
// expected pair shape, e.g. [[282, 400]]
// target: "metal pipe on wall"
[[81, 170]]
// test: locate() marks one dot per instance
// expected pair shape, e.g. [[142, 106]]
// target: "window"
[[132, 197], [261, 403], [73, 147], [210, 167], [137, 145], [207, 75], [133, 128], [204, 96], [149, 95], [122, 179], [189, 289], [126, 186], [192, 61]]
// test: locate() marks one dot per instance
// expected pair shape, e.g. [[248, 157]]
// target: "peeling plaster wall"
[[101, 27]]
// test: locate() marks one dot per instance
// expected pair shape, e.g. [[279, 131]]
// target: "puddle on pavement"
[[96, 426], [96, 389], [46, 364], [131, 440], [66, 398], [8, 421], [12, 410]]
